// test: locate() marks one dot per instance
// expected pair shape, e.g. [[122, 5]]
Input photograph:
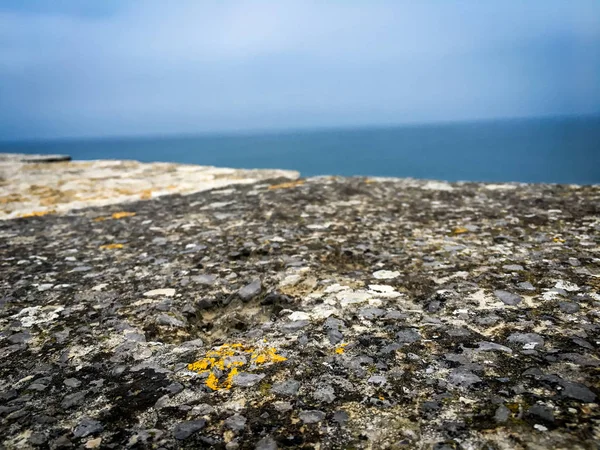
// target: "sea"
[[546, 150]]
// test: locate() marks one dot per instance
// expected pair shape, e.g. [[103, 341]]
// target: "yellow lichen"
[[221, 360], [122, 214], [111, 246], [288, 185], [460, 230], [37, 213], [340, 349], [558, 240], [146, 194]]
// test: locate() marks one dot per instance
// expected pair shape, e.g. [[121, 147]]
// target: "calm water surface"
[[544, 150]]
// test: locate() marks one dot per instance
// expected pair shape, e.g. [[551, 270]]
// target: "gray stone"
[[324, 394], [170, 321], [174, 388], [408, 335], [485, 346], [292, 327], [184, 430], [266, 443], [335, 336], [341, 417], [502, 414], [251, 290], [311, 416], [513, 267], [247, 379], [74, 399], [236, 422], [526, 286], [205, 279], [19, 338], [87, 426], [568, 307], [371, 313], [577, 391], [37, 438], [464, 378], [289, 387], [72, 382], [533, 339], [541, 412], [508, 298]]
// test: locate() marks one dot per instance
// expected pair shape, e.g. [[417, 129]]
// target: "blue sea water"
[[554, 150]]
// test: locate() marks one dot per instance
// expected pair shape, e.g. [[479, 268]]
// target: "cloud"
[[152, 67]]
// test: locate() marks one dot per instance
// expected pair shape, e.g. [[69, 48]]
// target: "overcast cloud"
[[98, 68]]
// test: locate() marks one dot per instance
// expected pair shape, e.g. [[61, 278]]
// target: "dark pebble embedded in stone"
[[266, 443], [335, 336], [502, 414], [577, 391], [289, 387], [251, 290], [174, 388], [296, 325], [341, 417], [508, 298], [86, 427], [568, 307], [74, 399], [237, 422], [184, 430], [541, 412], [311, 416], [408, 335]]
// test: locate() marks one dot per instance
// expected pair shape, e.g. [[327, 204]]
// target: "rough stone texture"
[[377, 325], [30, 185]]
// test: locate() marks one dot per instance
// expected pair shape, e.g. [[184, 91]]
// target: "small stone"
[[247, 379], [174, 388], [289, 387], [93, 443], [86, 427], [236, 422], [464, 378], [311, 416], [207, 280], [37, 438], [282, 406], [203, 409], [170, 321], [379, 380], [541, 412], [74, 399], [251, 290], [513, 267], [577, 391], [19, 338], [485, 346], [184, 430], [72, 382], [408, 335], [527, 339], [266, 443], [292, 327], [502, 414], [166, 292], [341, 417], [385, 274], [568, 307], [508, 298], [371, 313], [335, 336], [61, 442], [324, 394], [526, 286]]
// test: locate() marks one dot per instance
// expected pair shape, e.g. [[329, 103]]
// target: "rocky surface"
[[319, 313], [35, 185]]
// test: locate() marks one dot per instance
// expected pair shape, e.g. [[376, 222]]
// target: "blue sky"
[[124, 67]]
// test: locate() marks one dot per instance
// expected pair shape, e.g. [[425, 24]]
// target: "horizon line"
[[249, 132]]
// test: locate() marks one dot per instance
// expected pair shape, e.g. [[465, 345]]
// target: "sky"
[[84, 68]]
